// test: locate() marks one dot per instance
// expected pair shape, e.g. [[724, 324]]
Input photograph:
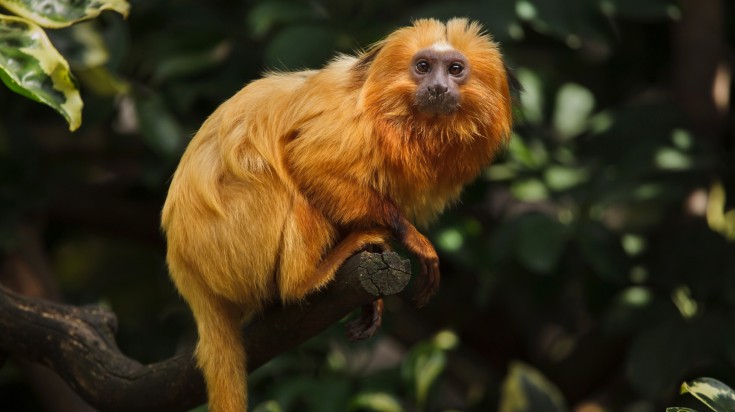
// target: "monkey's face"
[[438, 72], [448, 79]]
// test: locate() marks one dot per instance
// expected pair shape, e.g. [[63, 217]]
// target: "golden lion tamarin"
[[298, 171]]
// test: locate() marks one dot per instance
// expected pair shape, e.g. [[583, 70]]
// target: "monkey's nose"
[[436, 90]]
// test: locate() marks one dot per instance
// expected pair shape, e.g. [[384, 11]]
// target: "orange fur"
[[300, 170]]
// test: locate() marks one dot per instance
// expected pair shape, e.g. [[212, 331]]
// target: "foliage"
[[30, 65], [525, 389], [711, 392], [592, 265], [346, 382]]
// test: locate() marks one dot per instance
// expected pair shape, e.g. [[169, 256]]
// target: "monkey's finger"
[[420, 282], [429, 283], [354, 333], [435, 276], [421, 299], [423, 288]]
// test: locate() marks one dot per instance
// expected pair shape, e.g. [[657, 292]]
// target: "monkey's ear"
[[515, 86], [366, 58], [362, 65]]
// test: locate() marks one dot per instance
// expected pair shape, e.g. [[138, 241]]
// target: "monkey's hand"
[[427, 282]]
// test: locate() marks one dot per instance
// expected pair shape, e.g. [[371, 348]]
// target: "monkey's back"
[[229, 200]]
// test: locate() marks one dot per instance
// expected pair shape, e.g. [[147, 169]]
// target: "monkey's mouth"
[[432, 104]]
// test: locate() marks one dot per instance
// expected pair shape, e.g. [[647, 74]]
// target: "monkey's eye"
[[422, 66], [455, 69]]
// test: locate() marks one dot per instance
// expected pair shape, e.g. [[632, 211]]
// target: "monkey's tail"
[[221, 355]]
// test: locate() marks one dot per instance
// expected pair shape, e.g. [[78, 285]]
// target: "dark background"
[[592, 266]]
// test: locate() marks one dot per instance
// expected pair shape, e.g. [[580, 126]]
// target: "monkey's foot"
[[368, 323]]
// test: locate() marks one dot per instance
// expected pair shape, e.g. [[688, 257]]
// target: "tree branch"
[[78, 342]]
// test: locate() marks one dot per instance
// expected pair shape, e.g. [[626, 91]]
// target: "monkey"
[[300, 170]]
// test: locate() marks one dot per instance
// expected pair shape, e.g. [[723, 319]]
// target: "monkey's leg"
[[371, 315], [300, 284], [306, 261], [220, 353], [351, 204]]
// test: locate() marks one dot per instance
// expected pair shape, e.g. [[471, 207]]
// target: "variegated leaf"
[[32, 67], [713, 393], [63, 13]]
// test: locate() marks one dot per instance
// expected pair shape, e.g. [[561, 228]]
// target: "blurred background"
[[591, 268]]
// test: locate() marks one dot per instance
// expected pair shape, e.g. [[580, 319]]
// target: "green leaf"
[[192, 62], [529, 190], [159, 127], [711, 392], [85, 49], [421, 368], [264, 16], [450, 239], [376, 402], [679, 409], [302, 46], [446, 340], [32, 67], [532, 154], [628, 309], [563, 178], [657, 357], [571, 21], [330, 394], [650, 9], [82, 45], [499, 172], [56, 14], [668, 158], [540, 242], [268, 406], [682, 298], [324, 394], [532, 98], [102, 82], [574, 105], [603, 251], [526, 390]]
